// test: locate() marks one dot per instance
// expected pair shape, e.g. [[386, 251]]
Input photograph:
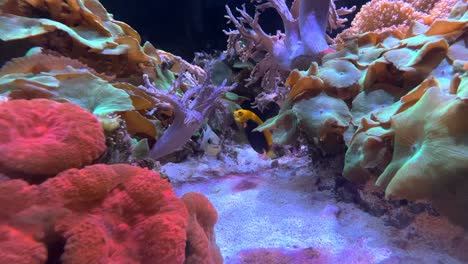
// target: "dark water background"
[[183, 27]]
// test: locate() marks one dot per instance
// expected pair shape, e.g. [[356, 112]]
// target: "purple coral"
[[305, 25], [190, 111], [303, 41]]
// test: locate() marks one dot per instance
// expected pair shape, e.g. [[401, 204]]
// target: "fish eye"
[[209, 141]]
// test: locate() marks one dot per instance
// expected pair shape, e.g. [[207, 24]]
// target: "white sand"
[[277, 215]]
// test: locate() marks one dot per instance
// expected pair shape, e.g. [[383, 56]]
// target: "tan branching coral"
[[442, 8], [378, 15]]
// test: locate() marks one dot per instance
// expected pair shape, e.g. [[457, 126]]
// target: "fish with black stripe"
[[261, 142]]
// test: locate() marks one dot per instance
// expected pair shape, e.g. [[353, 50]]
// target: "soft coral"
[[305, 25], [190, 111], [303, 41]]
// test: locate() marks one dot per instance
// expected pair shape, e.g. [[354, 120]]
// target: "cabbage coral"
[[395, 100], [430, 152], [85, 31], [370, 150], [321, 119], [73, 85], [431, 147], [412, 139]]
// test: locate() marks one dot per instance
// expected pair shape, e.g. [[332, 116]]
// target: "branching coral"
[[42, 137], [304, 25], [304, 38], [378, 15], [190, 111]]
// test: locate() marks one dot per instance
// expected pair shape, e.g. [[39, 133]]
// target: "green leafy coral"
[[81, 88]]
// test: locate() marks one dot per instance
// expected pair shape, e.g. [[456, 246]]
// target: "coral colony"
[[113, 151]]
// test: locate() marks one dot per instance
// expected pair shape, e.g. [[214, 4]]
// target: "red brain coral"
[[103, 213], [201, 241], [136, 217], [42, 137], [19, 248], [106, 214]]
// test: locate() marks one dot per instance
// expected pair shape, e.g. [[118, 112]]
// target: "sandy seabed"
[[275, 212]]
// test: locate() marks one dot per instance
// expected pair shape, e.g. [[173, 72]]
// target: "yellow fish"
[[260, 142]]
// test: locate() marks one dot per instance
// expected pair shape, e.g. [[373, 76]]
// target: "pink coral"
[[17, 247], [42, 137], [136, 217], [201, 247], [108, 214]]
